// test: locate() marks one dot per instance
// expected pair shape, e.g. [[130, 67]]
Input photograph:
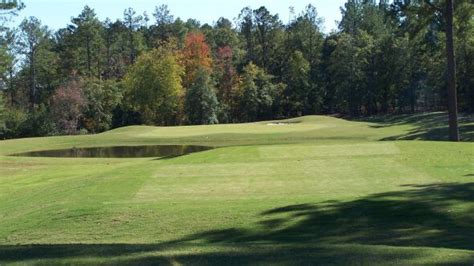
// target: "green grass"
[[319, 191]]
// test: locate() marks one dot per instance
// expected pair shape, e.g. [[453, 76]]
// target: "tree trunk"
[[32, 81], [452, 97], [11, 88], [132, 45], [88, 54]]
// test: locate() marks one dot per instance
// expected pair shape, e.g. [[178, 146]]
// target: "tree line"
[[92, 75]]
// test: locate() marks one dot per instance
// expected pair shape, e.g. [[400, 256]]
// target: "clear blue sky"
[[57, 13]]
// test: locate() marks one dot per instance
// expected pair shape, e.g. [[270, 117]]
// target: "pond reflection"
[[120, 151]]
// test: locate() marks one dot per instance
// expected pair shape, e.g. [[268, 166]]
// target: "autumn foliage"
[[67, 104], [196, 54], [225, 71]]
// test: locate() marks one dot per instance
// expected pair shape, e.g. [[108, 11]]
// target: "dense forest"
[[155, 69]]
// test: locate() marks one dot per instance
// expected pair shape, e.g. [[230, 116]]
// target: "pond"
[[120, 151]]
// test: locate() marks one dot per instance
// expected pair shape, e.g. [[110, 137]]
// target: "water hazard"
[[120, 151]]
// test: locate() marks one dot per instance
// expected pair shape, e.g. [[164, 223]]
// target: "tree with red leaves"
[[67, 104], [196, 55]]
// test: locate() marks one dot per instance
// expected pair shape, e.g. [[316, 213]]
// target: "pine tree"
[[202, 106], [88, 42], [32, 36]]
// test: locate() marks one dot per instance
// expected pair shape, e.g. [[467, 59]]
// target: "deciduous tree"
[[153, 87], [196, 54], [67, 105]]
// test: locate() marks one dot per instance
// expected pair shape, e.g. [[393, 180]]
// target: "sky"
[[57, 13]]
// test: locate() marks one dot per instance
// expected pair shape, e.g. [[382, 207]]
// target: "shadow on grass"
[[281, 256], [432, 216], [148, 254], [436, 215], [426, 126]]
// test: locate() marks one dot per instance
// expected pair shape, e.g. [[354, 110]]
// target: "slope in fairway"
[[319, 190]]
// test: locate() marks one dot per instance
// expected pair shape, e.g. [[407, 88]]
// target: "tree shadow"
[[427, 126], [27, 252], [148, 254], [427, 216], [422, 215], [440, 133], [257, 255]]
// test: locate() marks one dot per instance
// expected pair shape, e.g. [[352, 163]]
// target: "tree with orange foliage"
[[196, 55]]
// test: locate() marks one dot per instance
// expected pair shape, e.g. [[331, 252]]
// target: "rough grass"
[[320, 190]]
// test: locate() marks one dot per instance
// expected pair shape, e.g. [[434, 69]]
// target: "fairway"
[[310, 190]]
